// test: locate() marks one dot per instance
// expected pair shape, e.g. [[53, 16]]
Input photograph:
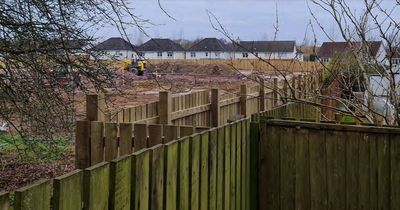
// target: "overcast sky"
[[247, 19]]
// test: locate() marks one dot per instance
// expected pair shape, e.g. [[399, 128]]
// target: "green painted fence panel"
[[195, 144], [68, 191], [96, 187], [141, 180], [204, 199], [157, 177], [120, 183], [36, 196], [171, 185], [184, 173]]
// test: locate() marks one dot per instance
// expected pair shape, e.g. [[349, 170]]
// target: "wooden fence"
[[304, 165], [251, 64], [209, 170]]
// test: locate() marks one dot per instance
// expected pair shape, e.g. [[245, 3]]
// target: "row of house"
[[208, 48]]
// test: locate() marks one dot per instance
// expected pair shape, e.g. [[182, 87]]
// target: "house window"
[[206, 54], [245, 55], [141, 54], [216, 54], [170, 54], [159, 54], [193, 54], [118, 53]]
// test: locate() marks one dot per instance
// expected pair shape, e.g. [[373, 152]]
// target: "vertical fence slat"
[[363, 172], [302, 193], [195, 172], [36, 196], [204, 182], [395, 171], [141, 180], [68, 191], [184, 173], [383, 171], [96, 186], [172, 155], [212, 169], [186, 130], [220, 167], [245, 164], [227, 168], [120, 183], [287, 167], [351, 170], [373, 160], [155, 135], [140, 133], [318, 169], [4, 201], [233, 165], [82, 144], [125, 138], [170, 133], [157, 178], [253, 173], [239, 165], [96, 142], [111, 147]]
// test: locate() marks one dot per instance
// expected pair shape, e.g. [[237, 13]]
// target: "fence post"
[[299, 86], [294, 89], [262, 95], [215, 108], [285, 90], [95, 107], [275, 101], [165, 107], [243, 100]]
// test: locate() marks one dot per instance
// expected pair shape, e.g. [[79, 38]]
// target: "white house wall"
[[208, 55], [154, 55], [264, 55], [118, 54]]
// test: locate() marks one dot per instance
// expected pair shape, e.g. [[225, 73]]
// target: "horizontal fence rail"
[[208, 170]]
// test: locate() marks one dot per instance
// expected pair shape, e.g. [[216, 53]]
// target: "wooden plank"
[[186, 131], [262, 95], [141, 180], [238, 164], [82, 144], [253, 165], [95, 195], [243, 100], [395, 171], [4, 201], [220, 165], [227, 168], [195, 150], [140, 133], [212, 169], [317, 149], [184, 174], [215, 108], [170, 133], [245, 165], [204, 158], [68, 191], [155, 135], [111, 147], [373, 160], [383, 153], [269, 186], [363, 172], [165, 107], [96, 142], [125, 139], [95, 107], [352, 155], [120, 183], [336, 169], [287, 167], [171, 188], [233, 165], [157, 178], [36, 196]]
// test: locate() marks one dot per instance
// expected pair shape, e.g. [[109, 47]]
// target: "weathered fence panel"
[[68, 191], [4, 201], [305, 165], [36, 196]]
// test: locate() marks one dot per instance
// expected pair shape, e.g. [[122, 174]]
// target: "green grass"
[[34, 148]]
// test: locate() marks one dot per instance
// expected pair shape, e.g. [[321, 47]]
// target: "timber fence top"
[[370, 128]]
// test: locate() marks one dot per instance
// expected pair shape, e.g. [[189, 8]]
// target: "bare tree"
[[46, 54]]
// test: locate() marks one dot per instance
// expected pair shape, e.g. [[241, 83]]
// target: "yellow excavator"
[[136, 66]]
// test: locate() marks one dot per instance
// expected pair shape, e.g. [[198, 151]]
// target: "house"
[[209, 48], [285, 50], [328, 50], [395, 57], [116, 48], [161, 49]]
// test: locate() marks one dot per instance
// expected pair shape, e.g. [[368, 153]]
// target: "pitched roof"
[[395, 53], [328, 49], [161, 45], [266, 46], [115, 43], [210, 44]]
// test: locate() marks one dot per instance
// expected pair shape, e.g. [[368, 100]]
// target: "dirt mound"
[[187, 69]]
